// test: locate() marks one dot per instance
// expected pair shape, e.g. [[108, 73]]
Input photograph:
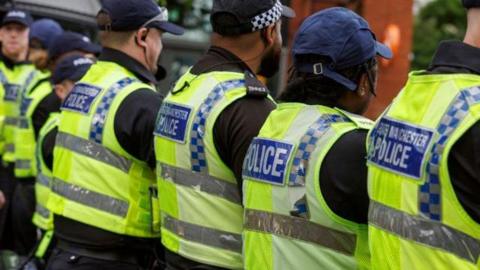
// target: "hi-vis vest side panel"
[[25, 141], [42, 217]]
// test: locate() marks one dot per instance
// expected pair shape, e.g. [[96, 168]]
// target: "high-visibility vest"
[[25, 140], [416, 220], [200, 201], [96, 181], [42, 217], [288, 224], [13, 82]]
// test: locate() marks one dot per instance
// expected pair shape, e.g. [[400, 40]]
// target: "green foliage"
[[439, 20]]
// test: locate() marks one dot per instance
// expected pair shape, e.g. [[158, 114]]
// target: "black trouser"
[[7, 186], [76, 258], [23, 207], [177, 262]]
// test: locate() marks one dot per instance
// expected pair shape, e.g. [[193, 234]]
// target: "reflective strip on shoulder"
[[205, 183], [300, 229], [203, 235], [90, 198], [43, 180], [42, 211], [11, 121], [423, 231], [93, 150], [23, 164]]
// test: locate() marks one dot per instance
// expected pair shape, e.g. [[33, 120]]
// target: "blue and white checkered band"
[[25, 100], [197, 147], [307, 146], [429, 193], [28, 81], [268, 17], [3, 79], [98, 121]]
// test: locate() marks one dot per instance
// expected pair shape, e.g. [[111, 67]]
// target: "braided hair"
[[317, 89]]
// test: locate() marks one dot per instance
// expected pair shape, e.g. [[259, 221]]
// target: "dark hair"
[[316, 89]]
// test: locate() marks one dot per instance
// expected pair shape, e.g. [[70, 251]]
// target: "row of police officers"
[[216, 175]]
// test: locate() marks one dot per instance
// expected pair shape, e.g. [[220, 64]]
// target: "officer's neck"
[[472, 36], [249, 48], [14, 57]]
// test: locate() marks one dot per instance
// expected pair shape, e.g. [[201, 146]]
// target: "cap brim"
[[167, 27], [12, 20], [383, 50], [93, 48], [288, 12]]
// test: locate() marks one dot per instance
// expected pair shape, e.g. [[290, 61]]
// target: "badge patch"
[[172, 122], [399, 147], [11, 92], [81, 98], [267, 161]]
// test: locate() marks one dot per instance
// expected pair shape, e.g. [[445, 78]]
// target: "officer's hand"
[[2, 200]]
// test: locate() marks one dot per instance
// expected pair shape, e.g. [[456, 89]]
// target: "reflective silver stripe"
[[205, 183], [23, 123], [23, 164], [204, 235], [10, 147], [300, 229], [43, 180], [42, 211], [11, 121], [430, 233], [93, 150], [90, 198]]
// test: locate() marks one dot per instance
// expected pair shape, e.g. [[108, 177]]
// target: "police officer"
[[423, 169], [103, 157], [35, 107], [71, 69], [204, 129], [305, 178], [15, 71]]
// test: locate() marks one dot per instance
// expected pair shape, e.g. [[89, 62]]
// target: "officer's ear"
[[363, 86], [269, 35], [141, 36]]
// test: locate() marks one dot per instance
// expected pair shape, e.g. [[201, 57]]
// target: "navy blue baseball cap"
[[340, 35], [17, 16], [71, 41], [129, 15], [45, 31], [72, 67], [471, 3]]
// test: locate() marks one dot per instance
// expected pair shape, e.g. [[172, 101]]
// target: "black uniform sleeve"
[[235, 128], [343, 177], [135, 122], [47, 148], [51, 103], [464, 166]]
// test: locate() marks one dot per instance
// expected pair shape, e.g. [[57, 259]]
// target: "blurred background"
[[412, 28]]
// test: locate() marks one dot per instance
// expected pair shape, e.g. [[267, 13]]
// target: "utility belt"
[[116, 255]]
